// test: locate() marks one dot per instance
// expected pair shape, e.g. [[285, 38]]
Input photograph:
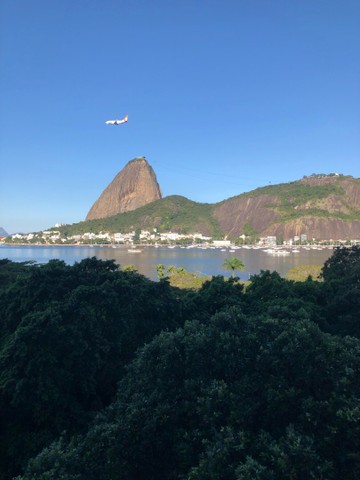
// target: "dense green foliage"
[[66, 334], [341, 274], [107, 375]]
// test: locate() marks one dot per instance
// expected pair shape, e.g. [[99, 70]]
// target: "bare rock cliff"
[[135, 186], [233, 214]]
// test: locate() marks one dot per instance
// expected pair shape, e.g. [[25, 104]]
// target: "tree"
[[136, 238], [129, 268], [341, 289], [275, 399], [233, 264], [66, 333], [343, 262], [160, 270]]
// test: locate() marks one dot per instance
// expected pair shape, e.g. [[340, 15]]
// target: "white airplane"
[[117, 122]]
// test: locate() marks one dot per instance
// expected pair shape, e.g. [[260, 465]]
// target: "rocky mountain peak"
[[133, 187]]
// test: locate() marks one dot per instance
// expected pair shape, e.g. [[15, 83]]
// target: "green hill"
[[174, 213]]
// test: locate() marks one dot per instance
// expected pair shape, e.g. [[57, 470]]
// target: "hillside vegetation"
[[290, 196], [106, 375], [174, 213]]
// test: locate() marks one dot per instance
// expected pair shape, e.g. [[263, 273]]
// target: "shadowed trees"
[[66, 334], [105, 374], [341, 275], [274, 399]]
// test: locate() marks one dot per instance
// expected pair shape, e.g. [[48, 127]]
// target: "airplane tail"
[[126, 118]]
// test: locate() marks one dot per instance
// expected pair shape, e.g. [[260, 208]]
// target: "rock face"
[[235, 213], [133, 187], [321, 206]]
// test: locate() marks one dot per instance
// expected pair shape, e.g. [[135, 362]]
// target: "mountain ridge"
[[320, 206], [325, 206]]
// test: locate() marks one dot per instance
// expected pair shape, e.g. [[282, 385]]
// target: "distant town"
[[145, 237]]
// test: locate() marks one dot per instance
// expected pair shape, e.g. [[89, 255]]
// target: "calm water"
[[202, 262]]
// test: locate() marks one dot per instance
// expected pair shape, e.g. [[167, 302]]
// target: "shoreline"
[[195, 245]]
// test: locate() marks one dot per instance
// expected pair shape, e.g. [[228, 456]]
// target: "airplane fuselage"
[[117, 122]]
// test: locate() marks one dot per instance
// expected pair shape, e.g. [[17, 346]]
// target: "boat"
[[274, 251], [134, 250]]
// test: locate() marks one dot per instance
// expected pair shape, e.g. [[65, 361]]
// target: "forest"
[[107, 375]]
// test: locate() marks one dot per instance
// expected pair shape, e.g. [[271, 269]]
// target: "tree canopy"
[[107, 375]]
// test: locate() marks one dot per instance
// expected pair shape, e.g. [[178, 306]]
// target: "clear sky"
[[223, 96]]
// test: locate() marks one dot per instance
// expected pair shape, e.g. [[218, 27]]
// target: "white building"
[[200, 236], [270, 240], [119, 237], [170, 236], [221, 243]]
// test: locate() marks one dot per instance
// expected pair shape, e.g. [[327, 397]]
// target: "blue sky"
[[223, 96]]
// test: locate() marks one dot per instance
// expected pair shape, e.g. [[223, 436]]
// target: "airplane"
[[117, 122]]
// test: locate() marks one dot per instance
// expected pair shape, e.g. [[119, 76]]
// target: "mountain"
[[3, 233], [320, 206], [133, 187]]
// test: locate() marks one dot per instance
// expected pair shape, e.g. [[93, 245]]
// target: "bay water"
[[198, 260]]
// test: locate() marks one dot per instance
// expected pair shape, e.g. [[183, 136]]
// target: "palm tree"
[[160, 270], [233, 264], [171, 269]]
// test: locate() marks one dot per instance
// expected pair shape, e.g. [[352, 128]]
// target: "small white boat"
[[134, 250]]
